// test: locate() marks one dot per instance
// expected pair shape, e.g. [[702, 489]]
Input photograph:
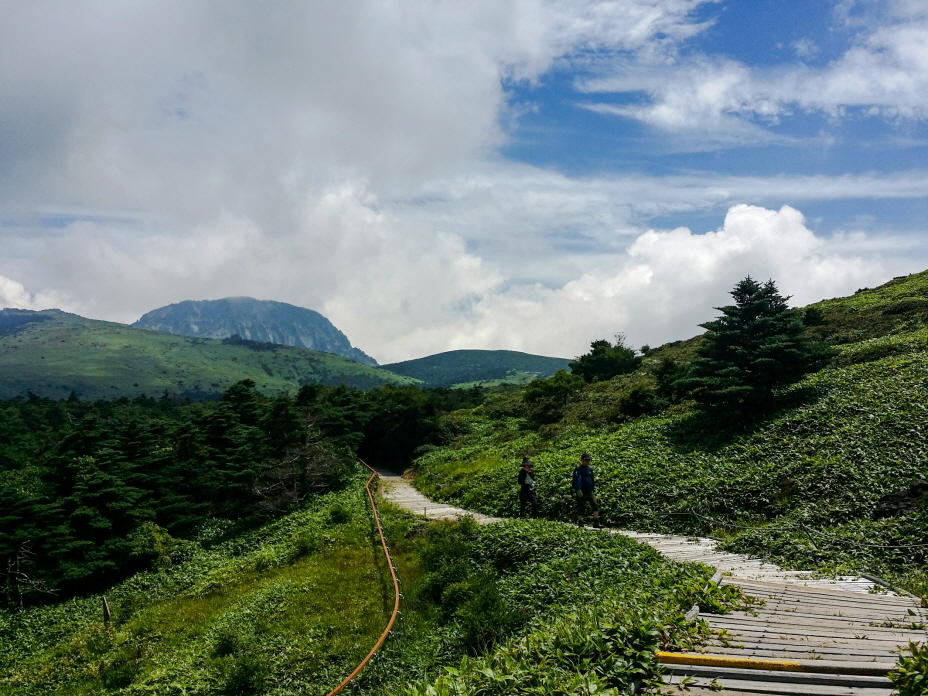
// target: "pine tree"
[[758, 345]]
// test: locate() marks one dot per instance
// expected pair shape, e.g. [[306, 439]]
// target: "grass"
[[513, 378], [291, 607], [844, 437], [478, 367], [98, 359]]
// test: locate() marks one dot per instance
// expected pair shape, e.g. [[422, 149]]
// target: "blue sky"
[[527, 175], [555, 130]]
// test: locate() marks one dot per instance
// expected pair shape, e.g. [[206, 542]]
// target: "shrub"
[[911, 675]]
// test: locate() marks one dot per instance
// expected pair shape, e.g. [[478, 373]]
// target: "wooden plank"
[[763, 624], [724, 661], [794, 651], [790, 589], [848, 610], [732, 686], [765, 675], [779, 620], [740, 637], [811, 595], [852, 602], [824, 634]]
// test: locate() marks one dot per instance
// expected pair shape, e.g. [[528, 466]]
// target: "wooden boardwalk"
[[400, 491], [822, 637]]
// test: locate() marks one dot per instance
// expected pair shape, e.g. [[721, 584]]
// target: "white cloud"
[[883, 73], [510, 257], [339, 156], [666, 283], [13, 294]]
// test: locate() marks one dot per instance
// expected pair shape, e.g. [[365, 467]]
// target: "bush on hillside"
[[605, 360], [546, 399]]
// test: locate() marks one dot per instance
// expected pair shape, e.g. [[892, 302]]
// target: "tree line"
[[757, 346], [93, 491]]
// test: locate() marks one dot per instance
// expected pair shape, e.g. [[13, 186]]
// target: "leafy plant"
[[910, 677]]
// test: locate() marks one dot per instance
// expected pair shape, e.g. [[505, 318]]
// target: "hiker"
[[583, 489], [527, 488]]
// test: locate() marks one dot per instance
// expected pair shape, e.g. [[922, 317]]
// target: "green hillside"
[[467, 368], [292, 606], [286, 599], [799, 487], [52, 353]]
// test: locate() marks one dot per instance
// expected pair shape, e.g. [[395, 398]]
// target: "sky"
[[433, 174]]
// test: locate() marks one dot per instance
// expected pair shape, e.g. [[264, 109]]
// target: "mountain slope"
[[255, 320], [801, 486], [463, 366], [52, 353]]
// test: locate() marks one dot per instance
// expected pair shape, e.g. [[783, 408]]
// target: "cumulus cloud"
[[884, 72], [341, 156], [663, 286], [13, 294]]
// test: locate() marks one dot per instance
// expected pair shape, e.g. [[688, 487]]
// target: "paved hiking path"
[[811, 636]]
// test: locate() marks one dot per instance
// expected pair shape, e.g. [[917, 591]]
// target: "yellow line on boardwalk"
[[727, 661], [814, 666]]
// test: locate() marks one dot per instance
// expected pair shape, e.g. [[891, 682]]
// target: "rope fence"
[[396, 590]]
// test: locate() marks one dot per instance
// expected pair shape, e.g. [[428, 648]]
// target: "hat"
[[586, 457], [527, 462]]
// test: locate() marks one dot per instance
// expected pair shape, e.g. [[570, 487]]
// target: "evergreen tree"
[[756, 346]]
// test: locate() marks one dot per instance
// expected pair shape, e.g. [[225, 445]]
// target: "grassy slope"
[[846, 436], [472, 367], [99, 359], [293, 606]]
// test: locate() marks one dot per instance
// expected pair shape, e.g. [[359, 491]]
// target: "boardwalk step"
[[809, 636], [763, 675]]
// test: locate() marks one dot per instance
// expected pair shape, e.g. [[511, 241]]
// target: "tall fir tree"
[[758, 345]]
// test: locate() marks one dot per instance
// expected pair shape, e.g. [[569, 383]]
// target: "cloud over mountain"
[[350, 157]]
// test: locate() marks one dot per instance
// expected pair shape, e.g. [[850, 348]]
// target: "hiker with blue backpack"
[[527, 493], [583, 488]]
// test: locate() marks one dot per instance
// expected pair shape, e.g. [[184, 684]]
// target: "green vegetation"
[[605, 361], [92, 491], [911, 676], [458, 368], [292, 606], [807, 474], [52, 354], [543, 608], [237, 555], [756, 346]]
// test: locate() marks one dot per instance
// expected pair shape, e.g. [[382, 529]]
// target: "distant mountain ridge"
[[51, 353], [265, 321], [466, 366]]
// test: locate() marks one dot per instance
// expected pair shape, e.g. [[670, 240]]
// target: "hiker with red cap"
[[583, 488], [527, 493]]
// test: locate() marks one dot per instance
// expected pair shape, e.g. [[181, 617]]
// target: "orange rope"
[[396, 590]]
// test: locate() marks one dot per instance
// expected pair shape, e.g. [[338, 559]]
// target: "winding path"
[[822, 637]]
